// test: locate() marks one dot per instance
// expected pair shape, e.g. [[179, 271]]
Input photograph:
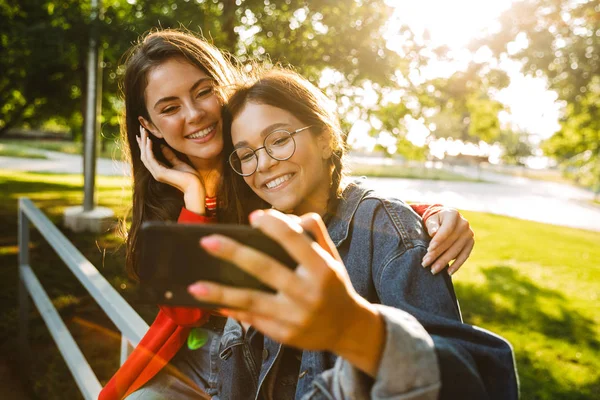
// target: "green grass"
[[406, 172], [548, 175], [111, 150], [9, 150], [537, 285]]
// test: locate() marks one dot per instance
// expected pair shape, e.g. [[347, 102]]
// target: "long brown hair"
[[289, 91], [153, 200]]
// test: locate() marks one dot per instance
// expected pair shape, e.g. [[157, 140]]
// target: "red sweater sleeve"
[[164, 338], [426, 210]]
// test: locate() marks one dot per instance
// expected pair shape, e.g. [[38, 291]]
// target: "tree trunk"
[[229, 8]]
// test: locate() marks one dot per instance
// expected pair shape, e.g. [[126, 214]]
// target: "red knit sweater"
[[169, 331]]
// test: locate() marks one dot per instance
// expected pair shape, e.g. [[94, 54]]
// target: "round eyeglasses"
[[279, 145]]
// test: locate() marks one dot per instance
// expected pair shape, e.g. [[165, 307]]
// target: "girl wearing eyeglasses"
[[174, 87], [359, 317]]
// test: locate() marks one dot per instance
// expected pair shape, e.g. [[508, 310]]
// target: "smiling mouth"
[[275, 183], [203, 133]]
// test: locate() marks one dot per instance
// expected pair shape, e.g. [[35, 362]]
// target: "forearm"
[[363, 347], [407, 367], [194, 198]]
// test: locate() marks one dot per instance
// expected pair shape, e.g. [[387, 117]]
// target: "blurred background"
[[488, 106]]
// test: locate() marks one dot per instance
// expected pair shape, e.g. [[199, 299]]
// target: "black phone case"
[[172, 259]]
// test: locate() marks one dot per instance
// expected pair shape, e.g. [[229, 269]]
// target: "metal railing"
[[127, 321]]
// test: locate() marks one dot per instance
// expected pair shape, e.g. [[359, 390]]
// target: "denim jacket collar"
[[339, 225]]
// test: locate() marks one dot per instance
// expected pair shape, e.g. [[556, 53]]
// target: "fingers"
[[454, 239], [281, 229], [462, 257], [446, 221], [432, 224], [278, 330], [146, 154], [264, 268], [242, 300], [170, 156], [313, 223], [453, 251], [435, 252]]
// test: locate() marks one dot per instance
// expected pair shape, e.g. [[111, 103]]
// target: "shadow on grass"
[[539, 383], [512, 299]]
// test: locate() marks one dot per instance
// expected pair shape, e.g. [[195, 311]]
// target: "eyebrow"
[[194, 87], [263, 133]]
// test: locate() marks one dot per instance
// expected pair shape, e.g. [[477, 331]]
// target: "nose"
[[265, 161], [195, 113]]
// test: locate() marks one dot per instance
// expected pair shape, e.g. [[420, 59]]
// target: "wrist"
[[194, 198], [363, 339]]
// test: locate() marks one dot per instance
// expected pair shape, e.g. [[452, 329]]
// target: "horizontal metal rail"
[[131, 325], [118, 310], [80, 369]]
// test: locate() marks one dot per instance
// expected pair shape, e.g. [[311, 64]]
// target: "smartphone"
[[172, 259]]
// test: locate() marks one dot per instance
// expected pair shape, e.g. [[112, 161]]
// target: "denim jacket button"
[[265, 354]]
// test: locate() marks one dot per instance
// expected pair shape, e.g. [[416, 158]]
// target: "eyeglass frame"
[[255, 151]]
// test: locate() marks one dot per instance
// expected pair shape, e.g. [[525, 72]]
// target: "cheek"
[[168, 125]]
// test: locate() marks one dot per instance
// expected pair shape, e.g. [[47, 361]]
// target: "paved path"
[[523, 198]]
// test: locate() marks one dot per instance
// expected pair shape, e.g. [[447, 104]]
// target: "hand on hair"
[[315, 306], [179, 175], [453, 239]]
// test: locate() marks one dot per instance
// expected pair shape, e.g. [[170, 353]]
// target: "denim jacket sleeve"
[[429, 352], [408, 369]]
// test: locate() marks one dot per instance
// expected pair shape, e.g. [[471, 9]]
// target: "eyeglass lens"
[[279, 145]]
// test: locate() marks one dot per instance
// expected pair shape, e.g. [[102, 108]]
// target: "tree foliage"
[[44, 45], [560, 39]]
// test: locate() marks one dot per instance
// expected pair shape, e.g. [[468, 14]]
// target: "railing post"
[[126, 348], [24, 303]]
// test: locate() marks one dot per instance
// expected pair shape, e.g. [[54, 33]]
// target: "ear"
[[324, 142], [149, 126]]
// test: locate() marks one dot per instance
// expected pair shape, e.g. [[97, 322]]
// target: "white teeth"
[[276, 182], [202, 133]]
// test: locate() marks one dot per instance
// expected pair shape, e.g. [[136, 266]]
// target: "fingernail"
[[254, 215], [451, 271], [434, 270], [210, 243], [198, 289], [434, 230], [223, 311], [426, 261]]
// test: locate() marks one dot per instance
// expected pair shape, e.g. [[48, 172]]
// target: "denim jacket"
[[429, 352]]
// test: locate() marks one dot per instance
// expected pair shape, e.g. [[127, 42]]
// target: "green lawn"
[[406, 172], [25, 146], [11, 150], [537, 285]]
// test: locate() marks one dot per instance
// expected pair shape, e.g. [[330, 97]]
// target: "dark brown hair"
[[153, 200], [289, 91]]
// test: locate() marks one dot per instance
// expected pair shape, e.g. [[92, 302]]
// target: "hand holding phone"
[[172, 259]]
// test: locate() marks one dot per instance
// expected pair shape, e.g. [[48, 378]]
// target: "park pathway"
[[523, 198]]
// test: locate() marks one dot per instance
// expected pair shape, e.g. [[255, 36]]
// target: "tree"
[[560, 39], [44, 45], [516, 147], [40, 48], [461, 106]]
